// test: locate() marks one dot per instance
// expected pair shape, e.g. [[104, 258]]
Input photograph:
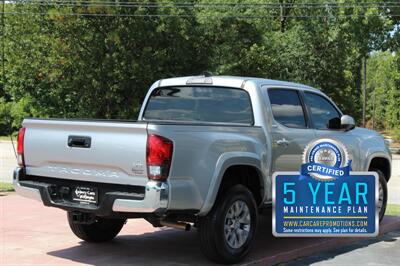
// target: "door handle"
[[79, 141], [282, 142]]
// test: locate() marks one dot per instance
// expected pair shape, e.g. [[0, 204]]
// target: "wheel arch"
[[248, 163], [381, 163]]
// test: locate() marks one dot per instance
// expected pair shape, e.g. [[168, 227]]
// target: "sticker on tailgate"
[[85, 195]]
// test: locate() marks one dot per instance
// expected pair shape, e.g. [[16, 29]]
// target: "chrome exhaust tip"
[[178, 225]]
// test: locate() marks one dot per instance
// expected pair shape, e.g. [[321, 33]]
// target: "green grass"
[[393, 209], [6, 187], [4, 137], [7, 138]]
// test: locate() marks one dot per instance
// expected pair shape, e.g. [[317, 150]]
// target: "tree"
[[99, 64]]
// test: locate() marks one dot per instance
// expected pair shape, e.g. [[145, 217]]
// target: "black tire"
[[211, 228], [100, 231], [383, 184]]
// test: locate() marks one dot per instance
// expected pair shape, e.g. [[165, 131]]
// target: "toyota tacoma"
[[201, 153]]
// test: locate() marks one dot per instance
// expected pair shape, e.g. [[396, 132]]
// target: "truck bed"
[[117, 153]]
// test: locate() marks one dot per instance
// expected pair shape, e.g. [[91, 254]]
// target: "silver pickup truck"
[[201, 154]]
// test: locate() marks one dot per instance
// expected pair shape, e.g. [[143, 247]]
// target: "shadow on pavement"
[[168, 246], [331, 254], [174, 247], [163, 247]]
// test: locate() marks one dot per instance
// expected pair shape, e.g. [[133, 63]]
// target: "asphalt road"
[[7, 161], [383, 250], [394, 182]]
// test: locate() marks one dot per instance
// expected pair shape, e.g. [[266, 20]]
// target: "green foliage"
[[383, 93], [5, 117], [100, 67], [396, 135]]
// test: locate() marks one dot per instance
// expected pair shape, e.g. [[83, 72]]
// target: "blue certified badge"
[[325, 159], [325, 198]]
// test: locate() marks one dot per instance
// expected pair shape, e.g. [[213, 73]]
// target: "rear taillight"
[[159, 156], [20, 147]]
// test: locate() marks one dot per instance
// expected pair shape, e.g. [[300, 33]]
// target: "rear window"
[[200, 104]]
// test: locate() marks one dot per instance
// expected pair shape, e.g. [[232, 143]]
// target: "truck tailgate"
[[60, 148]]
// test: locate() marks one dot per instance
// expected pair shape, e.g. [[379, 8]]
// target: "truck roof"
[[230, 81]]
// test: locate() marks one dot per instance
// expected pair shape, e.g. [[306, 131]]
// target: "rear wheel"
[[100, 230], [227, 232]]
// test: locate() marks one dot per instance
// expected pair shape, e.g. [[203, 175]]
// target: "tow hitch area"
[[83, 218], [59, 192]]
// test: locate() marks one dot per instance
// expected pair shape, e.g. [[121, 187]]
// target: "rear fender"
[[225, 161]]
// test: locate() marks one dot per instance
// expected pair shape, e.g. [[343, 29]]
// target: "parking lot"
[[35, 235]]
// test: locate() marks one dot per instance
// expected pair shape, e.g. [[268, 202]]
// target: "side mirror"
[[334, 123], [347, 122]]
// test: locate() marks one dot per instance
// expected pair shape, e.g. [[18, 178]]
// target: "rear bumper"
[[154, 200]]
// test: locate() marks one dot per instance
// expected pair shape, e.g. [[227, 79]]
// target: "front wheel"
[[100, 230], [227, 232], [383, 194]]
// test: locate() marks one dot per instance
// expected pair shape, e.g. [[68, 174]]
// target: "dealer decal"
[[325, 198]]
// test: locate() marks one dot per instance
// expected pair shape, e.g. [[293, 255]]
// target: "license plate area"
[[85, 195]]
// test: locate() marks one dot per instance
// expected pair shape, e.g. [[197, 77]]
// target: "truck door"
[[321, 111], [290, 129]]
